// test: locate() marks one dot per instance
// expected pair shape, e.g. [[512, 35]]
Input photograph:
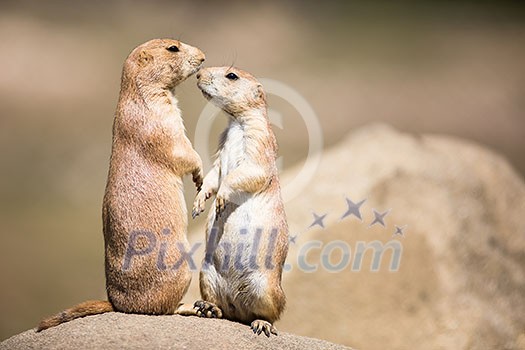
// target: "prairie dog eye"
[[232, 76], [173, 48]]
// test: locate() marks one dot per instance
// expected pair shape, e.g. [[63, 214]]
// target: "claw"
[[259, 326], [219, 206], [198, 204], [266, 331], [197, 209], [197, 179], [194, 212], [207, 309], [198, 182]]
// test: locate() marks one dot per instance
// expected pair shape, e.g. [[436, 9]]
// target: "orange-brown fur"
[[150, 155], [91, 307]]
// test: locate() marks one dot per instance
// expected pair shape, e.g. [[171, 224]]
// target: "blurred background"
[[447, 67]]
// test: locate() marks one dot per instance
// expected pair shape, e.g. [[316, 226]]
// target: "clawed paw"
[[222, 198], [207, 309], [198, 205], [259, 326], [220, 203], [197, 179], [200, 200]]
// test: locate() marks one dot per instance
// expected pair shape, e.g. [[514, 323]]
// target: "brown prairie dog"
[[247, 232], [144, 213]]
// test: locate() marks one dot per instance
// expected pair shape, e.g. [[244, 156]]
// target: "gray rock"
[[122, 331]]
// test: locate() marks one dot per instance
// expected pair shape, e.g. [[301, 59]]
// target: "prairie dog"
[[144, 213], [247, 233]]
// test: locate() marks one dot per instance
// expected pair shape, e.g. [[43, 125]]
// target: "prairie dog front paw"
[[223, 195], [197, 178], [200, 200]]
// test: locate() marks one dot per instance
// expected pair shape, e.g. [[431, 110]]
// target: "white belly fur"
[[244, 279]]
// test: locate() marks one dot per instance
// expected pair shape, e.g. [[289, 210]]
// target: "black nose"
[[198, 75]]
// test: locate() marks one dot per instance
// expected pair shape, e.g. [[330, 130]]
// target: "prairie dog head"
[[231, 89], [162, 63]]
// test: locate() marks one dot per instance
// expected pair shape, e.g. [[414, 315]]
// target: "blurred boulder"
[[459, 212]]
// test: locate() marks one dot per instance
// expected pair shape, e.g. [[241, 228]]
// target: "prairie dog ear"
[[144, 58], [258, 92]]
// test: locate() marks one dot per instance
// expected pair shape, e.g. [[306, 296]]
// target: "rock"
[[461, 278], [123, 331]]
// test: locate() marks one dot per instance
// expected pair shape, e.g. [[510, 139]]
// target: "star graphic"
[[399, 230], [292, 239], [318, 220], [379, 218], [353, 209]]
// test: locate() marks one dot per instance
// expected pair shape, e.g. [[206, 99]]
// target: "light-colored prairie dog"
[[247, 233], [144, 212]]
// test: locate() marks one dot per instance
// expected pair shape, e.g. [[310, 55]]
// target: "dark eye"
[[232, 76], [173, 48]]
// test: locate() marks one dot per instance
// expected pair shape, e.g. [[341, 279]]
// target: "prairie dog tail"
[[87, 308]]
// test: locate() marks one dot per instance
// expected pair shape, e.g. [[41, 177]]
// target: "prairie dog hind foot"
[[259, 326], [206, 309], [200, 308]]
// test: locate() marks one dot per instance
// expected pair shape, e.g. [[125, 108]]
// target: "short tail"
[[91, 307]]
